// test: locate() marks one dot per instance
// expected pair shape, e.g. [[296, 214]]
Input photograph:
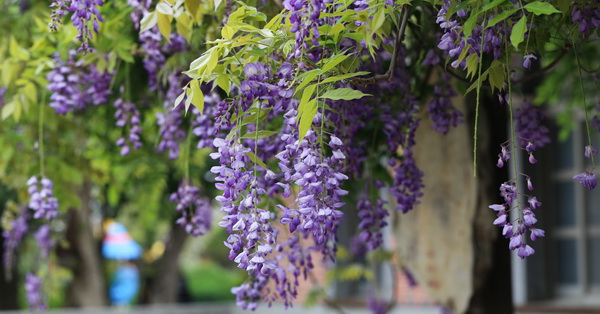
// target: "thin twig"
[[389, 75]]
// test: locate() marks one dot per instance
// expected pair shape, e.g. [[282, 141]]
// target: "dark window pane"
[[565, 204], [594, 254], [566, 261], [564, 154], [593, 207]]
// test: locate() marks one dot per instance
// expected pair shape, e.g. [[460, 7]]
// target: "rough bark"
[[88, 287], [165, 285]]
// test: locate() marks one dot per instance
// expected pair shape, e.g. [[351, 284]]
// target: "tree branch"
[[389, 75]]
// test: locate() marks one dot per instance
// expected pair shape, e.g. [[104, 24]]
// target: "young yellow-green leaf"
[[518, 32], [164, 26], [227, 32], [17, 51], [306, 95], [255, 159], [259, 134], [378, 19], [224, 83], [148, 21], [539, 8], [197, 96], [192, 6], [217, 4], [179, 99], [307, 78], [310, 110], [343, 94], [333, 62]]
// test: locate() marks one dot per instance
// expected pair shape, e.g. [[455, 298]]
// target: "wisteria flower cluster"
[[516, 231], [128, 117], [34, 293], [13, 237], [196, 212], [372, 220], [440, 108], [85, 12], [75, 86], [42, 201]]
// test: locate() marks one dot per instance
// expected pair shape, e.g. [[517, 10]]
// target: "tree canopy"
[[278, 117]]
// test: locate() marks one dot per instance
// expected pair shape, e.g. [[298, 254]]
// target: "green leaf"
[[259, 134], [491, 5], [164, 26], [306, 120], [472, 64], [255, 159], [518, 32], [333, 62], [378, 19], [306, 95], [500, 17], [344, 94], [307, 78], [469, 25], [179, 99], [539, 8], [148, 22], [343, 77], [496, 75], [197, 96]]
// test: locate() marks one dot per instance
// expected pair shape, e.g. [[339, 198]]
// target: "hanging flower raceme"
[[34, 293], [440, 108], [372, 220], [251, 236], [196, 212], [75, 86], [42, 200], [305, 19], [59, 8], [44, 240], [13, 237], [587, 16], [85, 12], [128, 117], [170, 122]]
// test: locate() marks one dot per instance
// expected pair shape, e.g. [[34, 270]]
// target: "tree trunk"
[[88, 288], [491, 272], [165, 285]]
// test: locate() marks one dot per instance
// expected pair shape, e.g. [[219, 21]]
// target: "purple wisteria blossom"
[[170, 122], [529, 126], [527, 60], [75, 85], [587, 15], [587, 179], [84, 13], [196, 212], [453, 41], [34, 293], [59, 9], [13, 237], [440, 108], [517, 231], [305, 19], [372, 221], [42, 200], [45, 242], [128, 117]]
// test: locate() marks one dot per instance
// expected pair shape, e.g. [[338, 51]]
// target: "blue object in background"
[[118, 244], [125, 285]]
